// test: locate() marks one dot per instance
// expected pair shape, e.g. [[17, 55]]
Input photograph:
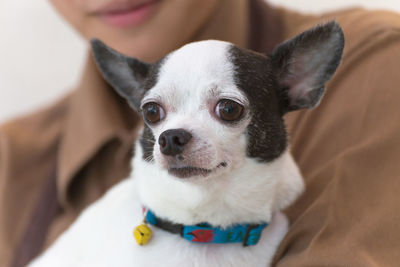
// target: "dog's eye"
[[153, 112], [228, 110]]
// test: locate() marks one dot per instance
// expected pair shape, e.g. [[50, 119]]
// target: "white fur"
[[102, 235], [245, 191]]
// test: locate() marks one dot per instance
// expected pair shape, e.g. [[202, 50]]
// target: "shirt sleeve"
[[5, 251], [26, 156], [349, 152]]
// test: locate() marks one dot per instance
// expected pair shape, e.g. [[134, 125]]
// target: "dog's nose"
[[172, 141]]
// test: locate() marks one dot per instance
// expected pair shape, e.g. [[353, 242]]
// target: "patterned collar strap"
[[247, 234]]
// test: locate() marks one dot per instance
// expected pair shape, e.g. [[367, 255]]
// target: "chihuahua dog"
[[212, 169]]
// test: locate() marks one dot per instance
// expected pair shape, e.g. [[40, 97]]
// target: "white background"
[[41, 57]]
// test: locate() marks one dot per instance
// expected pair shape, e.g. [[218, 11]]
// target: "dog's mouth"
[[191, 171]]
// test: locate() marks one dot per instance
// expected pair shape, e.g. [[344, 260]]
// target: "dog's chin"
[[192, 171]]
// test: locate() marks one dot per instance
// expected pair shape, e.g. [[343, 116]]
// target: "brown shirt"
[[348, 149]]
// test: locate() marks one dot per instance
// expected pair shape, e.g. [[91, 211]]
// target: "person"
[[56, 162]]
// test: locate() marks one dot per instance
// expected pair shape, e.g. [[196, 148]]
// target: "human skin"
[[150, 29]]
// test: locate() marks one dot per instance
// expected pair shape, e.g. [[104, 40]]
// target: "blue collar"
[[247, 234]]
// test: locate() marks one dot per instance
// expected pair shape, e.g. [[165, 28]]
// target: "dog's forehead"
[[201, 58], [198, 67]]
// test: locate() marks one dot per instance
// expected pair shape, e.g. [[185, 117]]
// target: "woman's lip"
[[127, 16]]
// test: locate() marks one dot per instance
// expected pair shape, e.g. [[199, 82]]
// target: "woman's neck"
[[230, 22]]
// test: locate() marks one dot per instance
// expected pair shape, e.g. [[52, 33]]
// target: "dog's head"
[[210, 105]]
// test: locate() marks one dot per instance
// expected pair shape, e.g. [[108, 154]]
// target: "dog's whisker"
[[147, 140], [149, 159]]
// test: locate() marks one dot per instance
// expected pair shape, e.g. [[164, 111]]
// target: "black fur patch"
[[152, 77], [267, 136], [272, 83], [147, 142], [130, 78], [147, 139]]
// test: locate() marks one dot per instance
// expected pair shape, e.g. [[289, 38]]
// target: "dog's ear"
[[305, 63], [127, 75]]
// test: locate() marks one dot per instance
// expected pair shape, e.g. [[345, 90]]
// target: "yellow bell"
[[142, 234]]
